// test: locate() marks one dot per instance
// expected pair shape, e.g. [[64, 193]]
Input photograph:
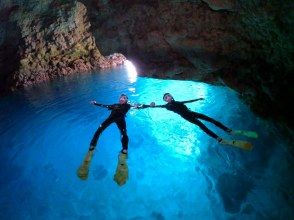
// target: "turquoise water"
[[175, 170]]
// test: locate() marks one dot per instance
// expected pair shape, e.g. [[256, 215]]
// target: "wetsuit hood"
[[165, 94]]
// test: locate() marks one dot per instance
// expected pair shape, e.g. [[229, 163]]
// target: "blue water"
[[175, 170]]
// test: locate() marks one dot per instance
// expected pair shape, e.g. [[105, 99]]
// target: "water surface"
[[175, 170]]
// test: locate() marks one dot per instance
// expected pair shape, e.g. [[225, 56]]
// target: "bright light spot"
[[132, 72], [132, 90], [173, 132], [197, 151]]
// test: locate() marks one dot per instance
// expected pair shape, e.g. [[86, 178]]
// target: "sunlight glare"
[[132, 72]]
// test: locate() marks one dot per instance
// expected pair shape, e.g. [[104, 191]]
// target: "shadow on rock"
[[233, 191]]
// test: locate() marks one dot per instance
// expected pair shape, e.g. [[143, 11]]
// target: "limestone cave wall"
[[246, 45], [43, 40]]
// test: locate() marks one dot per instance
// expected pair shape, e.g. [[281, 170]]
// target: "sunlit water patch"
[[175, 170]]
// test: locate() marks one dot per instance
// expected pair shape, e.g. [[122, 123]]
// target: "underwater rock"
[[157, 216], [233, 191], [221, 5], [248, 209]]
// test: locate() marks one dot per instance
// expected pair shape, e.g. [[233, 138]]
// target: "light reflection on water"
[[176, 171]]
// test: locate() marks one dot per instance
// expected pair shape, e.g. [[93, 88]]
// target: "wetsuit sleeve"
[[140, 106], [193, 100], [143, 106], [158, 106], [104, 106], [128, 106]]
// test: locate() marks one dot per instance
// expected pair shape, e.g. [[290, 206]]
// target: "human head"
[[123, 99], [168, 97]]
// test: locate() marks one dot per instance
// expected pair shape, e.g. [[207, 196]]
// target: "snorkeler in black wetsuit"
[[117, 115], [193, 117]]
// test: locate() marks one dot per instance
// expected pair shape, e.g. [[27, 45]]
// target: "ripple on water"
[[175, 170]]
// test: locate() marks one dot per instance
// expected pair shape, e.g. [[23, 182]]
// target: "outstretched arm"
[[152, 105], [102, 105], [193, 100], [140, 106]]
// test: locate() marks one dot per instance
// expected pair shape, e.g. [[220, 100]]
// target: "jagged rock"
[[245, 44], [55, 43]]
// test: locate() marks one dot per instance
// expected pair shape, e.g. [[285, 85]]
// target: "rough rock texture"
[[49, 44], [165, 34], [245, 44], [221, 4]]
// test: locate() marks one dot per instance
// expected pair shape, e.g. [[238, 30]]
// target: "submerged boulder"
[[233, 191]]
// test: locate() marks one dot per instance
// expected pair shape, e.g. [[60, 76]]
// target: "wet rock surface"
[[50, 44], [233, 190], [246, 45]]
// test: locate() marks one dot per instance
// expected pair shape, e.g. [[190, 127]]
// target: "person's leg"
[[121, 124], [203, 128], [215, 122], [101, 128], [236, 143]]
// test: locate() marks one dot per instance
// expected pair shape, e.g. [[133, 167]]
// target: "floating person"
[[193, 117], [117, 116]]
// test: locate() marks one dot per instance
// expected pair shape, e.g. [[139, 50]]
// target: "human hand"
[[136, 105], [152, 104], [93, 102]]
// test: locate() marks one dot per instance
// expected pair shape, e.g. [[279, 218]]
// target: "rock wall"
[[47, 43], [245, 44]]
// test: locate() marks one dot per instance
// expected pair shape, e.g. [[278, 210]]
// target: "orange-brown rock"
[[56, 43]]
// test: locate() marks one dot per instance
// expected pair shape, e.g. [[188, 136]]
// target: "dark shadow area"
[[9, 54], [233, 190]]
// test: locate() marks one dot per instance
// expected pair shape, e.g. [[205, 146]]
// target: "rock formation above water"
[[246, 45], [42, 45]]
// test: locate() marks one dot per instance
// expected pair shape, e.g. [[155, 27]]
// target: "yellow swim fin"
[[251, 134], [122, 173], [245, 145], [83, 170]]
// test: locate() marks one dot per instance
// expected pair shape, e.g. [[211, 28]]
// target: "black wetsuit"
[[182, 110], [117, 115]]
